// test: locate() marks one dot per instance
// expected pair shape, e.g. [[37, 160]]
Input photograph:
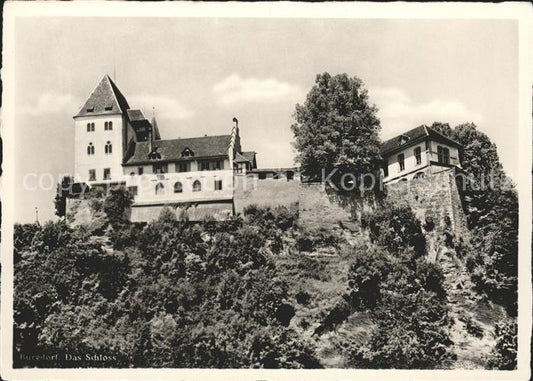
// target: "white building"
[[116, 145], [417, 153]]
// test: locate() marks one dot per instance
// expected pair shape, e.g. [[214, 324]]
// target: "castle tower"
[[101, 135]]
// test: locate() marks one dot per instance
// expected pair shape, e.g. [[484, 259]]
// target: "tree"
[[63, 190], [337, 128], [116, 206]]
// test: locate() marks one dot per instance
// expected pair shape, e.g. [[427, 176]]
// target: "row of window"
[[206, 165], [108, 126], [107, 174], [108, 148], [443, 156], [178, 187]]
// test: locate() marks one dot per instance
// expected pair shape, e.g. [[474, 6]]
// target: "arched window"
[[159, 189], [178, 188], [196, 186], [90, 149], [92, 126], [105, 126], [88, 127], [110, 126], [108, 147]]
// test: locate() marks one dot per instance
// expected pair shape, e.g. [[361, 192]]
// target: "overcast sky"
[[199, 73]]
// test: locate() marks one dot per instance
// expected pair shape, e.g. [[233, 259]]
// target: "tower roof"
[[106, 98], [157, 135]]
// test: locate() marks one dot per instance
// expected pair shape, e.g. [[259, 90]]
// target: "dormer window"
[[154, 155], [90, 109], [187, 152], [108, 107], [403, 139]]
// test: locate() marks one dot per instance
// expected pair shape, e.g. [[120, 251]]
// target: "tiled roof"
[[135, 115], [170, 150], [412, 135], [244, 157], [105, 99]]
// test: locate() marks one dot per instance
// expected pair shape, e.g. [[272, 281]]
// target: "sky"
[[199, 73]]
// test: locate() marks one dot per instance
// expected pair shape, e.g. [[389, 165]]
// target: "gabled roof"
[[244, 157], [412, 136], [106, 98], [170, 150]]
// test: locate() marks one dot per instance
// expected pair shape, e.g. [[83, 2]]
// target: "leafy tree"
[[337, 128], [503, 356], [63, 190], [116, 206]]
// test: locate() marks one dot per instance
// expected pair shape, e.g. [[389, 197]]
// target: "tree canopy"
[[337, 127]]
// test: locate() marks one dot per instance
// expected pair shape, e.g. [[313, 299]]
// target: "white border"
[[518, 11]]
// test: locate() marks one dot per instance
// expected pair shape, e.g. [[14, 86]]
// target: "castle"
[[116, 145]]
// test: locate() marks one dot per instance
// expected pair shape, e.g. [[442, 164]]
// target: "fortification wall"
[[249, 190], [191, 212], [434, 197]]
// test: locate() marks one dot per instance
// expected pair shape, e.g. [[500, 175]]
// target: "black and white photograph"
[[256, 187]]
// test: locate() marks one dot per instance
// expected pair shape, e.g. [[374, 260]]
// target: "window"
[[108, 107], [107, 173], [108, 147], [92, 174], [443, 154], [88, 127], [140, 170], [218, 185], [108, 126], [160, 168], [90, 149], [105, 126], [213, 165], [187, 152], [133, 191], [196, 186], [90, 109], [418, 155], [178, 188], [183, 167], [401, 161], [159, 189]]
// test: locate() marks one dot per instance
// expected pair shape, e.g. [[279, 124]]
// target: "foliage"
[[116, 206], [503, 356], [396, 228], [62, 192], [177, 294], [491, 206], [337, 127]]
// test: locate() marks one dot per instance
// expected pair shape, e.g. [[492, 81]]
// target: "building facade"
[[117, 145], [419, 152]]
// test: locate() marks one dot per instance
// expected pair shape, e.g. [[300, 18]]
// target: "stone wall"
[[249, 190], [191, 212], [435, 197]]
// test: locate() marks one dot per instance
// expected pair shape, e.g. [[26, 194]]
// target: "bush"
[[396, 229], [503, 356]]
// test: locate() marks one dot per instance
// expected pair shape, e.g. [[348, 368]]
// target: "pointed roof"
[[106, 98], [157, 136]]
